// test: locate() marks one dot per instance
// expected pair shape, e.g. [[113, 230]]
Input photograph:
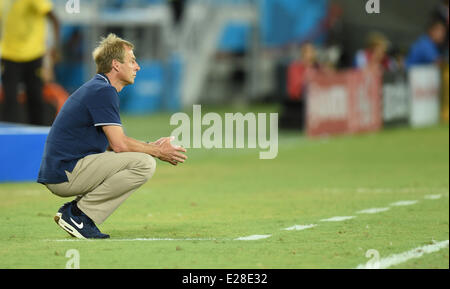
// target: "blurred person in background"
[[23, 46], [300, 70], [298, 74], [440, 13], [397, 57], [375, 53], [426, 49]]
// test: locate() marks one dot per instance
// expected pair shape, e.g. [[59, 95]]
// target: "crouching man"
[[87, 154]]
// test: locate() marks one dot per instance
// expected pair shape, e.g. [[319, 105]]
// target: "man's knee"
[[147, 166], [140, 164]]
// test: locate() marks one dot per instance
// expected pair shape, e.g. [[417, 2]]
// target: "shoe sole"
[[66, 227]]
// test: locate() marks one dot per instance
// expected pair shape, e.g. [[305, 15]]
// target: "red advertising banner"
[[346, 102], [327, 105]]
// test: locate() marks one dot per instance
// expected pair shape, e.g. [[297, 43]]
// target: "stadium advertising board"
[[327, 105], [344, 103], [395, 99], [21, 153], [445, 92], [424, 83]]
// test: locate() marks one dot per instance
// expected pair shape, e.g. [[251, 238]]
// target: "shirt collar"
[[104, 77]]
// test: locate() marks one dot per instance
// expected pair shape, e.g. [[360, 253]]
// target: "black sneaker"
[[59, 214], [77, 225]]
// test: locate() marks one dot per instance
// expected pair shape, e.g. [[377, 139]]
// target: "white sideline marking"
[[404, 203], [164, 239], [393, 190], [396, 259], [136, 239], [293, 228], [252, 237], [372, 211], [299, 227], [248, 238], [338, 219]]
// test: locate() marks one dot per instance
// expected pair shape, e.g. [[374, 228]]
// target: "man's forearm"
[[134, 145], [161, 149]]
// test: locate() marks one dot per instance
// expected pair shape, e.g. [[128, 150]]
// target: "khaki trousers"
[[103, 181]]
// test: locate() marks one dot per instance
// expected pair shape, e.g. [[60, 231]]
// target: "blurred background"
[[327, 66], [233, 51]]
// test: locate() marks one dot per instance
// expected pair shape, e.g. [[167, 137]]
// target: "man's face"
[[438, 33], [129, 67]]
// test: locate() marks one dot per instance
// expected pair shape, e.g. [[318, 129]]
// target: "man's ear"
[[115, 64]]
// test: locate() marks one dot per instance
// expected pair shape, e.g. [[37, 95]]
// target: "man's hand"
[[158, 142], [162, 148], [170, 153]]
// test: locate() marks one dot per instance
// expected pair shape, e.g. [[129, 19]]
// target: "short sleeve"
[[42, 6], [104, 107]]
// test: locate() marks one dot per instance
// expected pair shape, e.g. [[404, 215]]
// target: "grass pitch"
[[189, 216]]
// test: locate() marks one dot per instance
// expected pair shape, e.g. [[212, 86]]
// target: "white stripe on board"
[[338, 219], [432, 197], [396, 259], [372, 211], [252, 237], [299, 227], [24, 130], [403, 203]]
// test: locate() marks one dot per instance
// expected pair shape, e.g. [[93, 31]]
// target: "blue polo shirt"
[[77, 130], [423, 51]]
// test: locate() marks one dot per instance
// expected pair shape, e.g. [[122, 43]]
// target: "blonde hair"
[[377, 39], [111, 47]]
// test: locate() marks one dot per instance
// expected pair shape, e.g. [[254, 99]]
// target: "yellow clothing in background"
[[23, 29]]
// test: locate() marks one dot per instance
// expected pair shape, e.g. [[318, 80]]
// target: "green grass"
[[230, 193]]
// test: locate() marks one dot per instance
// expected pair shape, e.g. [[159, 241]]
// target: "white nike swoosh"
[[79, 226]]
